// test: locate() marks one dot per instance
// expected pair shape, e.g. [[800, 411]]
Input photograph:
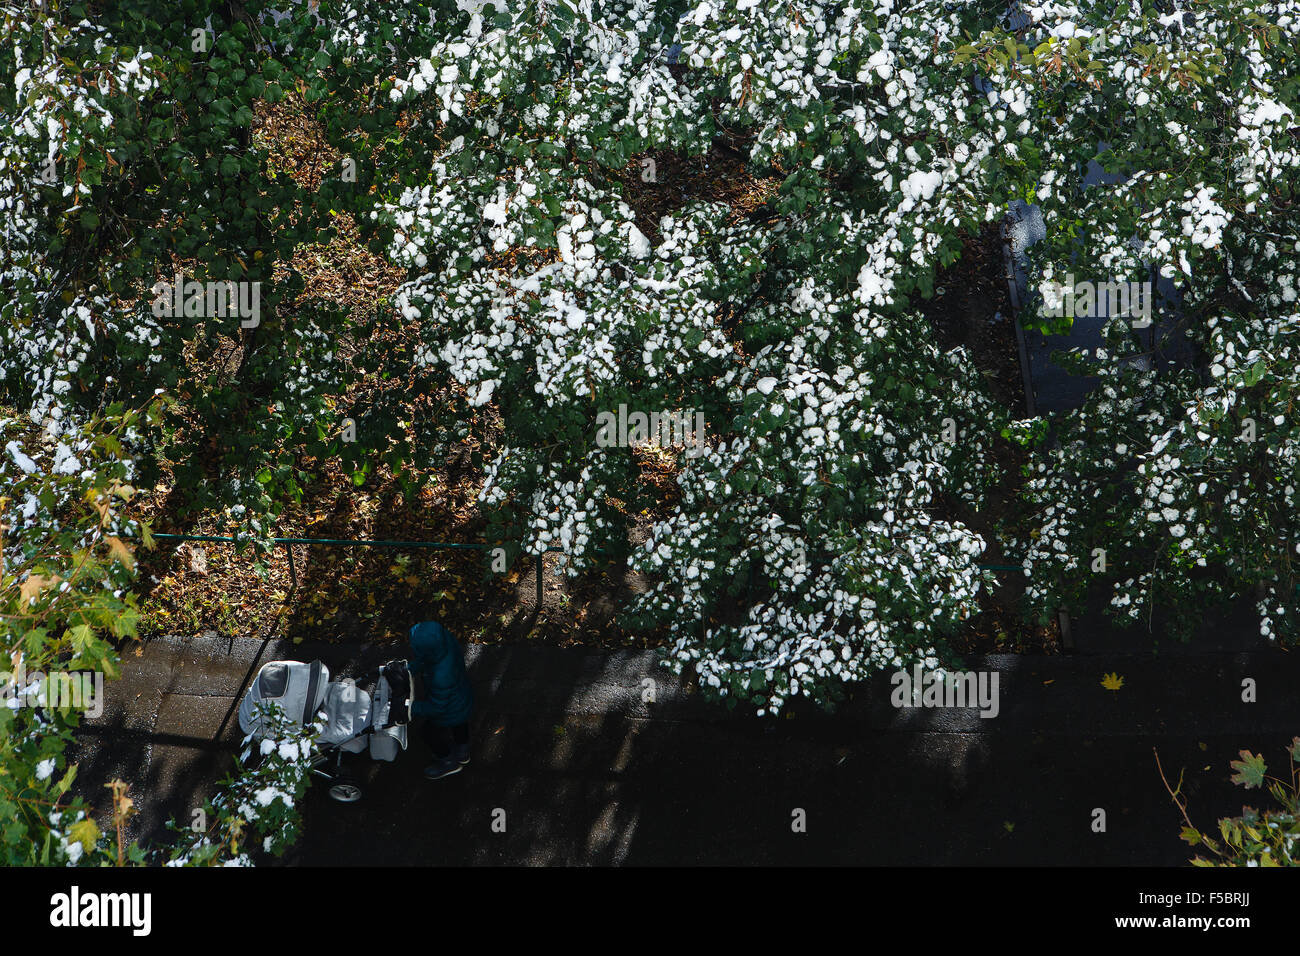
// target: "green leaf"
[[85, 832], [1250, 770], [81, 638]]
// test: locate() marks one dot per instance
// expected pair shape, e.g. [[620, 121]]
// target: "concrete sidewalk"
[[584, 769]]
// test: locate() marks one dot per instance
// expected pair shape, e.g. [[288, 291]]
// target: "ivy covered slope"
[[1185, 477]]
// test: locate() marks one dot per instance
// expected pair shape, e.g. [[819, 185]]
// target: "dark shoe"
[[444, 767], [460, 754]]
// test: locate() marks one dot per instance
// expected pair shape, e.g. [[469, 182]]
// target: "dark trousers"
[[442, 739]]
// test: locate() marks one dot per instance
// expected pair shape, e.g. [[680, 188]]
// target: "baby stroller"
[[354, 719]]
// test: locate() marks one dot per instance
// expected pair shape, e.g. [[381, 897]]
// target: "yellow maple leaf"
[[119, 549], [34, 585], [1112, 682]]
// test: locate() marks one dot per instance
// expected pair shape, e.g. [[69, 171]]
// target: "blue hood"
[[445, 695]]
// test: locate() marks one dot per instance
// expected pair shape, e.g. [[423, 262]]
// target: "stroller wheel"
[[345, 792]]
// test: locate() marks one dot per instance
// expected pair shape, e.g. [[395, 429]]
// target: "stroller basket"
[[353, 719]]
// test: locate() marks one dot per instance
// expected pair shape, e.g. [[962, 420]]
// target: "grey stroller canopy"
[[352, 718]]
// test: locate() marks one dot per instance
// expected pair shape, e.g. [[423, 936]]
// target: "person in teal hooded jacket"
[[443, 697]]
